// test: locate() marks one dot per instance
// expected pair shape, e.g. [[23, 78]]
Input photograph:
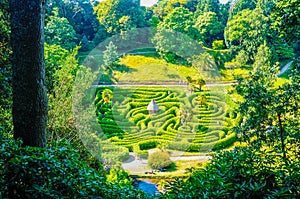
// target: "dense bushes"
[[52, 173], [145, 145], [241, 173]]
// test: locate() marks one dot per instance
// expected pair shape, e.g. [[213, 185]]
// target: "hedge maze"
[[195, 122]]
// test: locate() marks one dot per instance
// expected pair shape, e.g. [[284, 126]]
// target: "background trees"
[[246, 31], [119, 15], [59, 31], [80, 15], [184, 16], [286, 19], [5, 55], [63, 66], [209, 27]]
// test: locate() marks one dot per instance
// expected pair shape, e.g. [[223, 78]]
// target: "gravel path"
[[285, 68], [135, 166]]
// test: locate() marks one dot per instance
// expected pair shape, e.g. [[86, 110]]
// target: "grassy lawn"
[[149, 68], [141, 68], [179, 168], [144, 68]]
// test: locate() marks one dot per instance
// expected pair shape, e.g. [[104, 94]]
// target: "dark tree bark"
[[29, 91]]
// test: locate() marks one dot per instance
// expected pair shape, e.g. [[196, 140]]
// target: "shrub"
[[147, 145], [240, 173], [58, 172], [158, 160], [225, 142], [180, 146]]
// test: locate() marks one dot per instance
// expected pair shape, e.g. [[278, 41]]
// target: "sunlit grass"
[[144, 68]]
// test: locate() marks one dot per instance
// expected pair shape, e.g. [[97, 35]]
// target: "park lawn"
[[183, 165], [230, 75], [144, 68]]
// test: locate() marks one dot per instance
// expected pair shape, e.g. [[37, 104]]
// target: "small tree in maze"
[[185, 114], [159, 160], [202, 99], [106, 95], [200, 83]]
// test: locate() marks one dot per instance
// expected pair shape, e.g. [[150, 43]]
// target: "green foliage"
[[263, 56], [240, 173], [242, 57], [200, 83], [158, 160], [286, 19], [208, 6], [164, 7], [270, 112], [53, 173], [218, 44], [6, 123], [117, 175], [171, 33], [59, 31], [5, 56], [241, 5], [149, 144], [55, 57], [110, 55], [81, 17], [203, 62], [119, 15], [247, 30], [62, 67], [182, 15], [209, 27]]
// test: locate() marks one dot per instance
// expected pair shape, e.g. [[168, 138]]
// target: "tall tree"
[[208, 6], [286, 16], [246, 30], [209, 27], [163, 7], [120, 15], [270, 112], [180, 19], [239, 5], [59, 31], [29, 92], [263, 56]]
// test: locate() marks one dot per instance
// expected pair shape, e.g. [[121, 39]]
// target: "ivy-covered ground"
[[186, 121]]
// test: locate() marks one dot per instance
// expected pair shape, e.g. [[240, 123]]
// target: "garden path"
[[139, 166], [285, 68]]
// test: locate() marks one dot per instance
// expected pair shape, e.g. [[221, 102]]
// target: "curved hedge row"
[[127, 122]]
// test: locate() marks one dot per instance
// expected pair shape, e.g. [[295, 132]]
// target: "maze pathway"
[[199, 121]]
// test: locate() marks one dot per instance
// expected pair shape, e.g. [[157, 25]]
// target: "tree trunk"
[[29, 91], [282, 138]]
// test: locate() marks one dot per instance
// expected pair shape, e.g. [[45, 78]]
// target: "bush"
[[147, 145], [159, 160], [240, 173], [30, 172], [180, 146]]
